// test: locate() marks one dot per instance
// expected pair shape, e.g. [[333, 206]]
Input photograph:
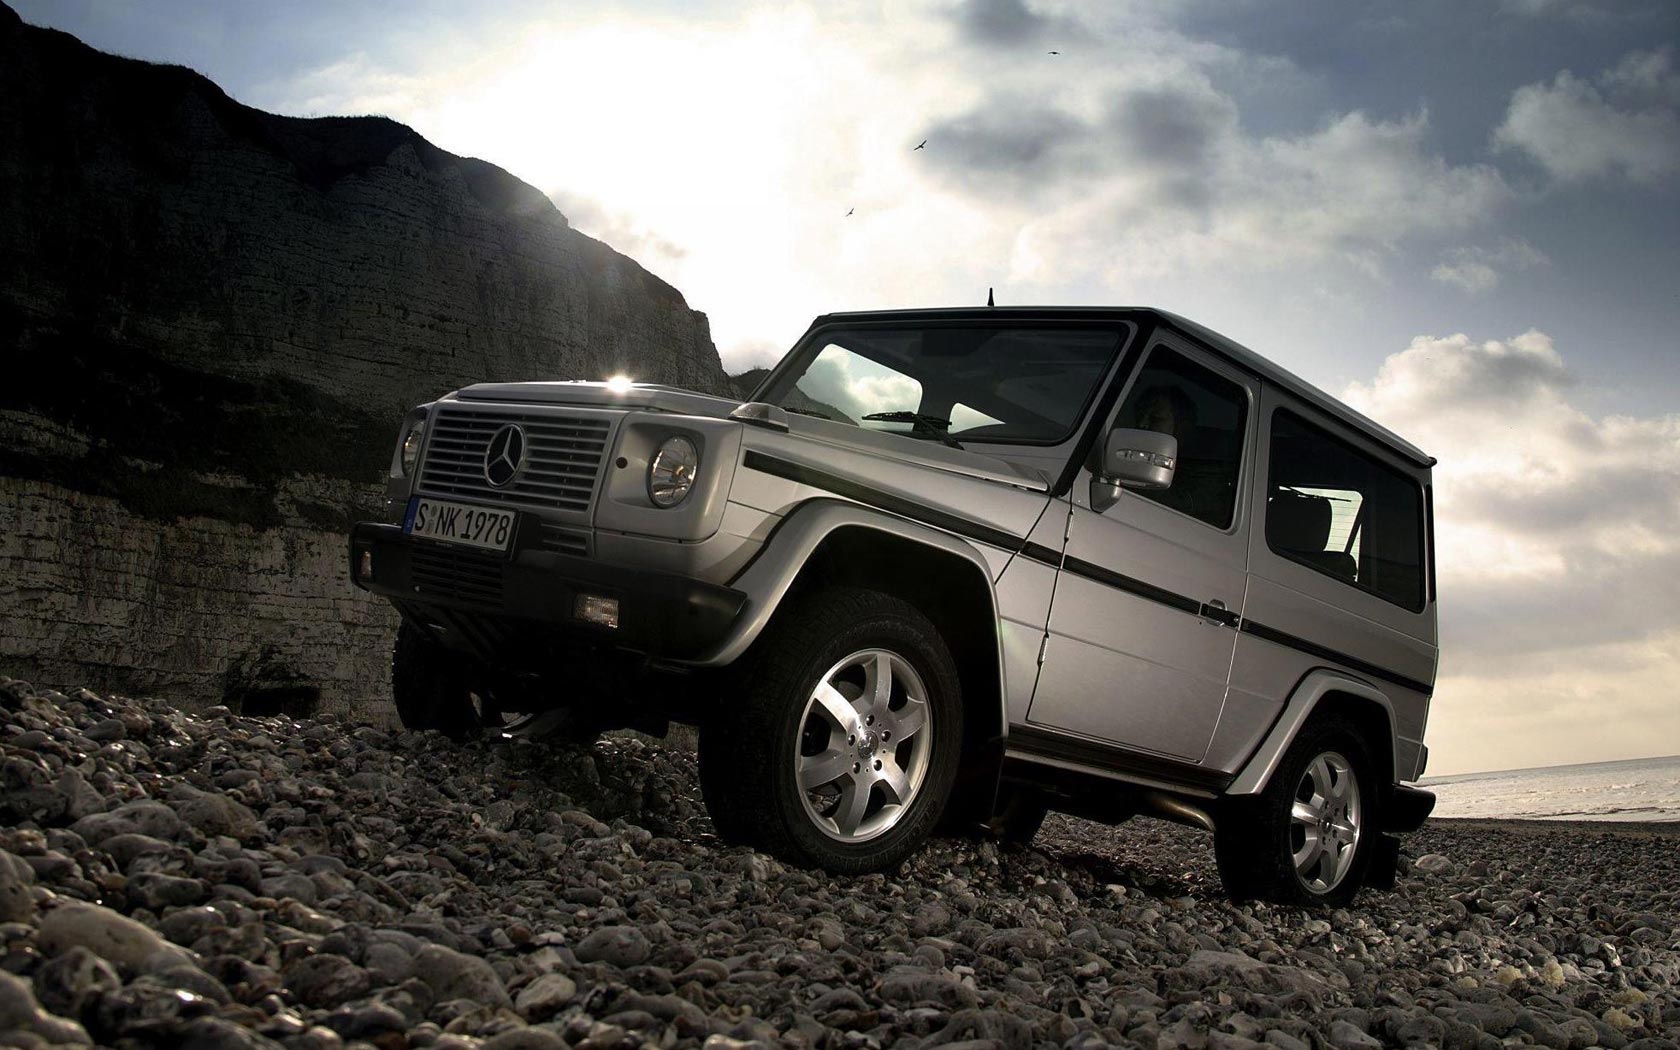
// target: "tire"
[[1309, 837], [781, 728], [429, 686]]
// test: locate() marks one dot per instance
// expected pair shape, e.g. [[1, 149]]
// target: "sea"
[[1637, 789]]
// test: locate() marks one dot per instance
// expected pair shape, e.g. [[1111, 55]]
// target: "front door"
[[1141, 632]]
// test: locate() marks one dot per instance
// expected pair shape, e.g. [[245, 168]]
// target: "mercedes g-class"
[[964, 565]]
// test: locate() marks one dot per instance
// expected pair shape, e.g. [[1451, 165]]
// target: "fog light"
[[364, 567], [592, 608]]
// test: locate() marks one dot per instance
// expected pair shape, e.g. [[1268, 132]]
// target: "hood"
[[970, 462], [645, 396]]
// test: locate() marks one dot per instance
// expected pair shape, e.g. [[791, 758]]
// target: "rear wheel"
[[839, 746], [1309, 837]]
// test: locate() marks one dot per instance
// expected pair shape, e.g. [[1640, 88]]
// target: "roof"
[[1225, 347]]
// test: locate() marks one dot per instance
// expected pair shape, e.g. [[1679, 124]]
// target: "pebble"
[[619, 946], [545, 996], [17, 900], [1433, 863], [216, 880]]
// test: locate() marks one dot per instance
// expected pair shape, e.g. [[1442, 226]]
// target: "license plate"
[[461, 523]]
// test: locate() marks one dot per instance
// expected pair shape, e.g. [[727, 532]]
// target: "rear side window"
[[1344, 513]]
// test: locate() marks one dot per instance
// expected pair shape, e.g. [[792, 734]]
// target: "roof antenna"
[[989, 298]]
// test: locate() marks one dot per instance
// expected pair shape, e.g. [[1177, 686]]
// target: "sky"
[[1462, 216]]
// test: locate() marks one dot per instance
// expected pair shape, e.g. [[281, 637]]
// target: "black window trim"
[[1245, 381], [1429, 527], [1425, 587]]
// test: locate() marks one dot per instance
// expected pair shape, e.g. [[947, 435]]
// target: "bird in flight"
[[919, 145], [850, 210], [1054, 52]]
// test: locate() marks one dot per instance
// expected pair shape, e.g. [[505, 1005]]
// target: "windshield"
[[1026, 386]]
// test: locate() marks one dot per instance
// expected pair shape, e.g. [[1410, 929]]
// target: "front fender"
[[768, 578]]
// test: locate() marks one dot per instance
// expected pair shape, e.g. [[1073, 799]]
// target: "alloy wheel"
[[864, 745], [1325, 822]]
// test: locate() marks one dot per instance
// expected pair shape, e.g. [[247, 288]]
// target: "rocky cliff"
[[211, 319]]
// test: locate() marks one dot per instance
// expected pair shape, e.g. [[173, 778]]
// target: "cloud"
[[1625, 122], [998, 22], [856, 387], [1555, 541], [328, 91], [1480, 269], [1169, 126], [1017, 140], [620, 230], [1168, 182], [1596, 12]]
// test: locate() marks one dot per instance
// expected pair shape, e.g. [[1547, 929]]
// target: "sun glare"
[[741, 146]]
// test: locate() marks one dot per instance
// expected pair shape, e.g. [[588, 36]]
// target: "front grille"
[[455, 574], [562, 540], [563, 457]]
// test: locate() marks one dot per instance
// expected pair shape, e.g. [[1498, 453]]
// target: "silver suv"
[[960, 565]]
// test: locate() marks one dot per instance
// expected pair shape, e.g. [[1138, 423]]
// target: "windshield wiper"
[[808, 412], [920, 423]]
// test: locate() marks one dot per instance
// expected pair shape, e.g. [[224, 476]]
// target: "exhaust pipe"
[[1177, 810]]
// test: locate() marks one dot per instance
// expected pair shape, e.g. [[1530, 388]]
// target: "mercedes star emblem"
[[505, 457]]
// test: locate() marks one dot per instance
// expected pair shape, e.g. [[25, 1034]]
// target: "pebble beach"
[[170, 879]]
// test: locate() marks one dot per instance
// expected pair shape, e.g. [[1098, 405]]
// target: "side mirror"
[[1139, 459], [1133, 459]]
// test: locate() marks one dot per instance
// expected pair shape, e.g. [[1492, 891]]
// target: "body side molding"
[[873, 497], [1311, 648]]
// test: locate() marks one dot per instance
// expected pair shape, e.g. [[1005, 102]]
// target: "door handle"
[[1214, 612]]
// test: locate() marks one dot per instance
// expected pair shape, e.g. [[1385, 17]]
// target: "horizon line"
[[1560, 765]]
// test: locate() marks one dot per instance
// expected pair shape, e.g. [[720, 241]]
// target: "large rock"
[[1207, 968], [19, 1012], [454, 975], [619, 946], [17, 901], [214, 814], [67, 980], [545, 996], [115, 938], [145, 816], [212, 319]]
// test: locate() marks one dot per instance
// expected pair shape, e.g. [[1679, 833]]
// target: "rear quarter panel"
[[1334, 625]]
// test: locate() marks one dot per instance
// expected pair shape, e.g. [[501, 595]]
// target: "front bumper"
[[665, 616]]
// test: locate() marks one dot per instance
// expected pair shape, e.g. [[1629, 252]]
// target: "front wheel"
[[1309, 837], [840, 746], [430, 687]]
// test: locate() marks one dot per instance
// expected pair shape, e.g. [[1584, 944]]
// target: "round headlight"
[[411, 446], [671, 474]]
